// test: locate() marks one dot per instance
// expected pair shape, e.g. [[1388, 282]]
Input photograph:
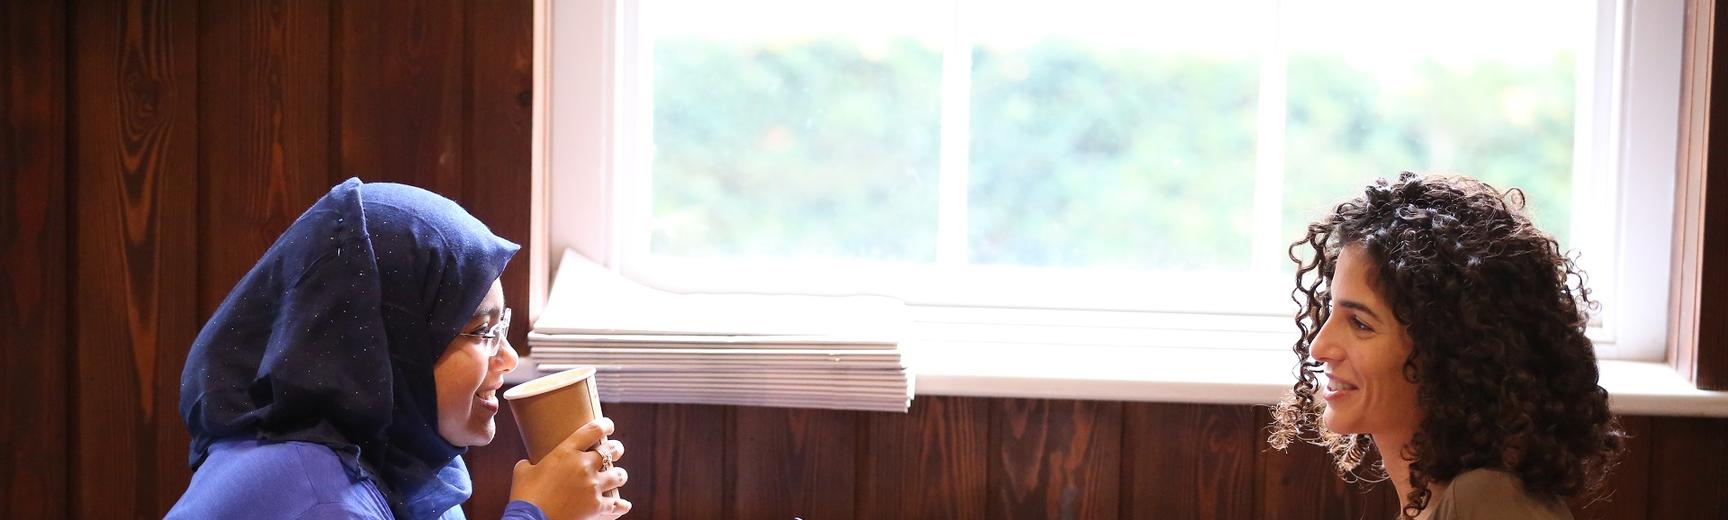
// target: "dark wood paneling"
[[134, 118], [681, 470], [1212, 448], [1625, 495], [400, 88], [1689, 468], [793, 463], [1054, 459], [265, 119], [1300, 483], [33, 246], [150, 160], [1711, 358], [932, 462], [500, 112]]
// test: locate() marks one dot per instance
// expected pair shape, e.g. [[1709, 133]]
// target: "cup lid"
[[548, 383]]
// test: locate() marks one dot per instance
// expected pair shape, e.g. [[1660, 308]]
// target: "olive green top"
[[1492, 494]]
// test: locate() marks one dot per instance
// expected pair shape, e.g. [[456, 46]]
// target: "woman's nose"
[[1325, 348], [507, 357]]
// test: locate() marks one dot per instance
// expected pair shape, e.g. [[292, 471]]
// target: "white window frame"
[[583, 152]]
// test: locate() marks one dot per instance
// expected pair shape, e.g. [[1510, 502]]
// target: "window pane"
[[1479, 88], [812, 133], [1114, 134]]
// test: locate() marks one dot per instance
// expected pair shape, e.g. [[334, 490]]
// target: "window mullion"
[[1267, 246], [953, 183]]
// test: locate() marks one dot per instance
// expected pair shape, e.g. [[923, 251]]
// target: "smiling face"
[[468, 379], [1364, 347]]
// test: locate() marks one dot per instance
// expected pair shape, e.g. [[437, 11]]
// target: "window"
[[1143, 162]]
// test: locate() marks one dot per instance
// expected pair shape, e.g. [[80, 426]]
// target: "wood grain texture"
[[34, 477], [499, 109], [1689, 467], [682, 469], [931, 462], [1711, 359], [264, 111], [1300, 483], [1189, 461], [793, 463], [1626, 494], [400, 86], [134, 115], [1054, 459]]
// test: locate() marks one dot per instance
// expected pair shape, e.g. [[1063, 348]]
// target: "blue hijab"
[[331, 338]]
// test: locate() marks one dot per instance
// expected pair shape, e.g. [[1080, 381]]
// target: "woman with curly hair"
[[1450, 331]]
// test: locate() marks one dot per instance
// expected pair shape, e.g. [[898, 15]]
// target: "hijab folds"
[[331, 338]]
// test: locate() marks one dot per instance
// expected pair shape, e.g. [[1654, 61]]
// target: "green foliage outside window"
[[1079, 156]]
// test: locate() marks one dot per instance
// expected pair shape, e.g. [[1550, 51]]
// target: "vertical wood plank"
[[794, 463], [679, 471], [1054, 459], [264, 71], [1626, 494], [1710, 361], [400, 87], [1688, 466], [134, 118], [496, 184], [33, 244], [931, 462], [1301, 483], [1189, 461]]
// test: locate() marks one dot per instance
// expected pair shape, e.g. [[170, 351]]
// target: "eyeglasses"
[[492, 338]]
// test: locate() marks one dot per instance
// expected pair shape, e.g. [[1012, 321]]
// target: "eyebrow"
[[488, 312], [1357, 306]]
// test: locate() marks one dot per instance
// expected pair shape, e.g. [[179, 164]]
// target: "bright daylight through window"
[[1146, 157]]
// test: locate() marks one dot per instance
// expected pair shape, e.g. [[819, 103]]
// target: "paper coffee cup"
[[549, 408]]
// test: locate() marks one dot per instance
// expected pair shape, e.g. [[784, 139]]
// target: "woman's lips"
[[1336, 388], [488, 399]]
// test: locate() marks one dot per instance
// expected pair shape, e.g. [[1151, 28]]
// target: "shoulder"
[[1488, 493], [276, 480]]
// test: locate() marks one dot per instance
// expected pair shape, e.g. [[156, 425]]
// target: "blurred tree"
[[1081, 156]]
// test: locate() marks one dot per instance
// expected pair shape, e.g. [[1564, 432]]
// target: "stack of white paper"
[[754, 350]]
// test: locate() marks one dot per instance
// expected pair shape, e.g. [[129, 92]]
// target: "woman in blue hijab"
[[346, 372]]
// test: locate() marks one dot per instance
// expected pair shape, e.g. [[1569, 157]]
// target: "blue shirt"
[[292, 480]]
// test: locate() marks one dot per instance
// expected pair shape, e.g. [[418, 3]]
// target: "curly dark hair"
[[1505, 377]]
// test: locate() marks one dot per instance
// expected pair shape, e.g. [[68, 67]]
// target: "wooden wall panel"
[[793, 463], [400, 88], [1626, 494], [1710, 361], [500, 111], [1300, 483], [1189, 461], [149, 161], [134, 118], [932, 462], [1688, 468], [33, 275], [1054, 459], [265, 113]]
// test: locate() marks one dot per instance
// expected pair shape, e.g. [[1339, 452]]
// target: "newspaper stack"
[[728, 349]]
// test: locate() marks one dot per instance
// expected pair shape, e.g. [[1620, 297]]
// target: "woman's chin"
[[473, 436], [1337, 424]]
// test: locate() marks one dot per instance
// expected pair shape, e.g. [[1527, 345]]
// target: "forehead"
[[491, 305], [1356, 277]]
